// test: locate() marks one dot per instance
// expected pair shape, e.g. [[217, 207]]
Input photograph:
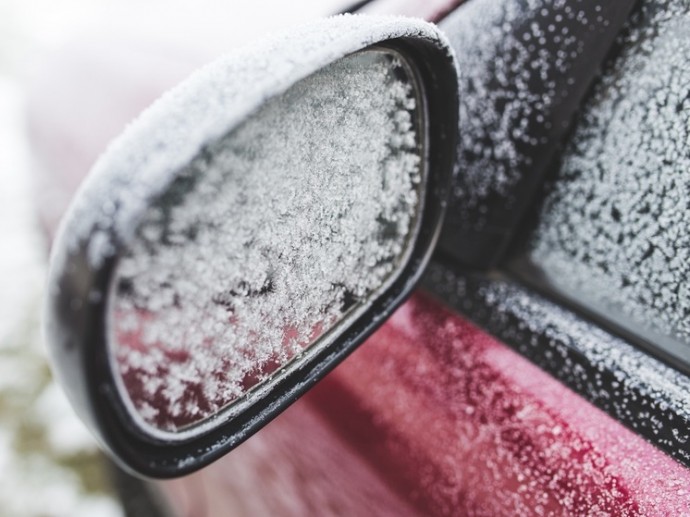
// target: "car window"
[[614, 230]]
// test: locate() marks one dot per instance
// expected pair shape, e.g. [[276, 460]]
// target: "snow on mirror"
[[267, 241]]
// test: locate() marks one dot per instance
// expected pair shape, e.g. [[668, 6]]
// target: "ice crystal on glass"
[[267, 239]]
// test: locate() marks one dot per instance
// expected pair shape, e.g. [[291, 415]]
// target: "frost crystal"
[[269, 237], [510, 76], [615, 228]]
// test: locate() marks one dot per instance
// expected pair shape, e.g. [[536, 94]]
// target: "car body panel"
[[432, 416]]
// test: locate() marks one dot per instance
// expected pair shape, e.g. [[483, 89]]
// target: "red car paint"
[[431, 416]]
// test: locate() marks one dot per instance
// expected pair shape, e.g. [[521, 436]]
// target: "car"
[[542, 365]]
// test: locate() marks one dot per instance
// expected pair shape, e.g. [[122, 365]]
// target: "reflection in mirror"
[[268, 240]]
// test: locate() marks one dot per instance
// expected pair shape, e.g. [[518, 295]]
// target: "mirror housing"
[[140, 165]]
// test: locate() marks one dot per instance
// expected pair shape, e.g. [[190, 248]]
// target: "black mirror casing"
[[76, 324]]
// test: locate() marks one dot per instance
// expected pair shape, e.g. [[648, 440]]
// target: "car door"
[[542, 366]]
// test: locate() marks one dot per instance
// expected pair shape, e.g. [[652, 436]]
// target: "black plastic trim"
[[479, 227], [356, 6]]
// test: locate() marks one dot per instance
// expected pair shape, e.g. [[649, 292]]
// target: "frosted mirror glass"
[[267, 242]]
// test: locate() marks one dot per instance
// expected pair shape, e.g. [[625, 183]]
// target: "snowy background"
[[49, 465]]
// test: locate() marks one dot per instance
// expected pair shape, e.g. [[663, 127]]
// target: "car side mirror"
[[247, 232]]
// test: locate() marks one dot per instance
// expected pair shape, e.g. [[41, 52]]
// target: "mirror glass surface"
[[271, 239]]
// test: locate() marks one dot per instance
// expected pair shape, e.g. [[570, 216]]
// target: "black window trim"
[[651, 408]]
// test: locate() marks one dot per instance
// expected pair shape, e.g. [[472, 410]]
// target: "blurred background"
[[72, 74]]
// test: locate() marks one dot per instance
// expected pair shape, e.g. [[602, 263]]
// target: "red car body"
[[431, 416]]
